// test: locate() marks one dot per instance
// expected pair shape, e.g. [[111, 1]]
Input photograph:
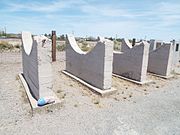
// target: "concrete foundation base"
[[177, 70], [133, 81], [93, 88], [35, 108], [164, 77]]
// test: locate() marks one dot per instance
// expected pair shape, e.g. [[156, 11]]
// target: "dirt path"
[[150, 109]]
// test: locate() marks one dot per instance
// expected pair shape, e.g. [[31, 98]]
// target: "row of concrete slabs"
[[96, 67]]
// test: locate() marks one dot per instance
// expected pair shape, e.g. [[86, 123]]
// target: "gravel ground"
[[152, 109]]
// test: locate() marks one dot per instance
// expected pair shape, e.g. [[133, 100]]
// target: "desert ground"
[[152, 109]]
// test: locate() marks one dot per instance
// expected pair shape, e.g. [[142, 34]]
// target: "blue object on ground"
[[41, 102]]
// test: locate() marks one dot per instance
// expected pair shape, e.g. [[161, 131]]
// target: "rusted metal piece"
[[53, 45], [133, 42]]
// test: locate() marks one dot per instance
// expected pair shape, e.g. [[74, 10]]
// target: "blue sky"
[[159, 19]]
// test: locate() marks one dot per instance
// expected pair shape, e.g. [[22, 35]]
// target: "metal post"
[[133, 42], [53, 45]]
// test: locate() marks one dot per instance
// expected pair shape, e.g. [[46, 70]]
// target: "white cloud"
[[91, 18], [104, 10], [41, 7]]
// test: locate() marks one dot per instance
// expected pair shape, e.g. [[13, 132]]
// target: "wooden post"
[[53, 45]]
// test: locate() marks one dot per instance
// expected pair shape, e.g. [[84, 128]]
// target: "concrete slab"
[[133, 81], [161, 61], [93, 88], [37, 67], [126, 45], [95, 67], [154, 44], [161, 76], [132, 64], [33, 102], [176, 53]]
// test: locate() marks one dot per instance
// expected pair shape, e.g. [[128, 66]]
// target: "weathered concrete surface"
[[35, 108], [37, 68], [126, 45], [161, 60], [30, 63], [94, 67], [133, 63], [176, 52]]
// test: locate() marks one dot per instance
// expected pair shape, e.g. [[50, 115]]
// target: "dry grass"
[[61, 48], [117, 46], [5, 46]]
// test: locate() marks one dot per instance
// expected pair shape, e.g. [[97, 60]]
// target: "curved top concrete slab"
[[132, 63], [126, 45], [27, 42], [126, 41], [74, 44], [94, 67], [75, 47], [161, 60]]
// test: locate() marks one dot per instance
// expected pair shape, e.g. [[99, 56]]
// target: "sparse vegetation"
[[59, 91], [61, 48], [5, 46], [63, 95], [17, 77], [157, 86], [84, 46], [71, 85], [115, 98], [117, 45], [124, 97], [17, 46], [96, 101], [84, 43]]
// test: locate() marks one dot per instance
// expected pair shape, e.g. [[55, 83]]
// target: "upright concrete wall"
[[152, 45], [94, 67], [176, 52], [161, 60], [155, 44], [45, 70], [133, 63], [37, 68], [126, 45], [30, 63]]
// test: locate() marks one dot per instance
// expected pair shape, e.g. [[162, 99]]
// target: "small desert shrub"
[[17, 46], [81, 41], [116, 45], [85, 48], [5, 46], [84, 43], [61, 48]]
